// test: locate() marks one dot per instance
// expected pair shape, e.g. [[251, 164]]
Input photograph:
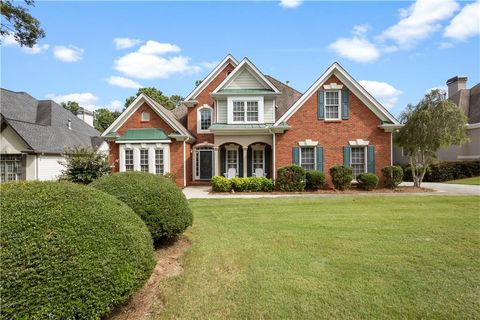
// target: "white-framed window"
[[128, 159], [307, 158], [159, 162], [145, 117], [258, 159], [144, 160], [332, 105], [245, 109], [10, 167], [232, 159], [204, 118], [358, 160]]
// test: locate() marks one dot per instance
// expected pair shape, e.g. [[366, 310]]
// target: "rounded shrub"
[[315, 179], [290, 178], [341, 177], [68, 251], [393, 176], [367, 181], [157, 200], [221, 184]]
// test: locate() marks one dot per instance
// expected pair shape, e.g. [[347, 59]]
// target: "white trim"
[[196, 153], [473, 125], [358, 142], [151, 147], [391, 148], [356, 88], [199, 118], [205, 82], [261, 109], [232, 147], [314, 156], [333, 86], [238, 69], [274, 172], [184, 165], [308, 143]]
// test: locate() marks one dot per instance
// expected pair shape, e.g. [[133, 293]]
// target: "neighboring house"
[[34, 134], [240, 122], [469, 101]]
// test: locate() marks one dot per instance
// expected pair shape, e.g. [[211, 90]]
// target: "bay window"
[[128, 159], [144, 160]]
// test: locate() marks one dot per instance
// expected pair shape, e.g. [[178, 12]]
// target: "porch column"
[[216, 157], [245, 165]]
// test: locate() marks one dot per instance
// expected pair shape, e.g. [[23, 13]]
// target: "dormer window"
[[145, 117], [332, 105]]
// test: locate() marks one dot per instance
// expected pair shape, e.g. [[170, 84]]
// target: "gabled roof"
[[212, 75], [337, 70], [165, 114], [245, 64], [43, 124]]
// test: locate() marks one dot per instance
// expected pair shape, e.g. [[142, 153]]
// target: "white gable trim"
[[205, 82], [256, 73], [134, 107], [352, 84]]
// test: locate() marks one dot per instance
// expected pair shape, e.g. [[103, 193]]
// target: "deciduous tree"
[[17, 21]]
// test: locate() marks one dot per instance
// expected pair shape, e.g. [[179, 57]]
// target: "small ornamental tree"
[[84, 165], [432, 124]]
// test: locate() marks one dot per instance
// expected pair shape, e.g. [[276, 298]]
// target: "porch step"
[[199, 183]]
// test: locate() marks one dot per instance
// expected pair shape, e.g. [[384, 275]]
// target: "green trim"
[[144, 134]]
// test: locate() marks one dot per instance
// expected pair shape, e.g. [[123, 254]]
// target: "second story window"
[[252, 111], [205, 119], [238, 111], [145, 116], [246, 109], [332, 105]]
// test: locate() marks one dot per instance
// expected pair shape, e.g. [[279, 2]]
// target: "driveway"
[[202, 192]]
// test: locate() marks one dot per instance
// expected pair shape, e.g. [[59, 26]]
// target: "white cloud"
[[8, 40], [123, 82], [115, 105], [466, 24], [385, 93], [68, 54], [418, 21], [36, 49], [443, 89], [158, 48], [290, 3], [84, 99], [209, 65], [445, 45], [125, 43], [358, 48]]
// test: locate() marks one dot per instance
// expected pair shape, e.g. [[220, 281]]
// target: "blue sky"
[[398, 49]]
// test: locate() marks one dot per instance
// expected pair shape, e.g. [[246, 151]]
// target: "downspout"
[[391, 148], [184, 165]]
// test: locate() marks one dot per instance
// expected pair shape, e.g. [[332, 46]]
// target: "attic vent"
[[69, 124]]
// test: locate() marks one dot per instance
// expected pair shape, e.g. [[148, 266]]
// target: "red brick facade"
[[333, 136]]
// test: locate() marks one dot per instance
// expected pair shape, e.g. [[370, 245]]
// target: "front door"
[[206, 164]]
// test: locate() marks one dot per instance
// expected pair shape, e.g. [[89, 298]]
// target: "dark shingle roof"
[[288, 97], [469, 101], [43, 124]]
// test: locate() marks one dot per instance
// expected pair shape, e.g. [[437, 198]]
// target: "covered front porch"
[[234, 156]]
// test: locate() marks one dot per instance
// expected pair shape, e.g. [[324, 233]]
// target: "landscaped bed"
[[330, 258]]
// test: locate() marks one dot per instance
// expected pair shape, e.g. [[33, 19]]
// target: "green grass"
[[329, 258], [473, 181]]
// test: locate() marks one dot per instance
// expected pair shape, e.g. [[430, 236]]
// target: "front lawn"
[[329, 258], [473, 181]]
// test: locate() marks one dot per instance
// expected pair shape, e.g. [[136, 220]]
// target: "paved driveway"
[[440, 189]]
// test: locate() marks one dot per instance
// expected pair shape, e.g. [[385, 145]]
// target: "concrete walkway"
[[440, 189]]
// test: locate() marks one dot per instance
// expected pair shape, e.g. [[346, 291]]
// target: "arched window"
[[205, 118], [145, 116]]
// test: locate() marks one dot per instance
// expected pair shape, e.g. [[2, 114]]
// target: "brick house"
[[240, 122]]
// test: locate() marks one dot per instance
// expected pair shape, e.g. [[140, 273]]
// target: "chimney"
[[456, 84], [86, 116]]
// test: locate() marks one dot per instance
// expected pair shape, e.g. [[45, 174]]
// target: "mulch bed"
[[353, 190]]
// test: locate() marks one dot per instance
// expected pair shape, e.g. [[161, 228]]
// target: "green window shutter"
[[240, 162], [267, 161], [222, 162], [321, 104], [371, 159], [345, 104], [319, 158], [249, 162], [296, 155], [346, 156]]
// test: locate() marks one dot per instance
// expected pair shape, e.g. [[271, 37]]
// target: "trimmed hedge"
[[393, 176], [446, 171], [291, 178], [315, 179], [367, 181], [68, 251], [341, 177], [157, 200], [247, 184]]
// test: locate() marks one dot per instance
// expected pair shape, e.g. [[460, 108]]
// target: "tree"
[[72, 106], [83, 165], [198, 82], [176, 99], [432, 124], [17, 21], [155, 94], [104, 118]]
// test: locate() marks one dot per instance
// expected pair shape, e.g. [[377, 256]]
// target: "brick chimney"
[[456, 84]]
